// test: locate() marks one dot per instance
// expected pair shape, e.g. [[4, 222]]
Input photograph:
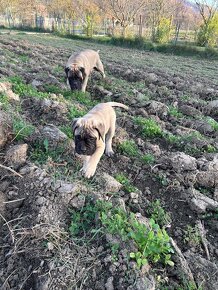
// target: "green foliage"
[[158, 214], [148, 127], [162, 34], [82, 221], [4, 101], [148, 159], [67, 130], [173, 111], [125, 182], [129, 148], [192, 236], [22, 89], [41, 152], [208, 33], [153, 243], [24, 57], [213, 123], [52, 89], [21, 128], [75, 112]]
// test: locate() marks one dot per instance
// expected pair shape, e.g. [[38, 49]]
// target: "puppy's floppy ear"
[[66, 70], [74, 125], [82, 69], [101, 131]]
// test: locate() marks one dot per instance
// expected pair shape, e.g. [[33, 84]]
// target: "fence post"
[[140, 26]]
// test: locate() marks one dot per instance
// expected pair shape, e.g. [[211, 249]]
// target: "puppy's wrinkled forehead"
[[85, 127]]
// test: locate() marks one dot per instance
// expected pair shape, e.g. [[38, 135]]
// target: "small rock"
[[54, 135], [16, 155], [78, 201], [205, 272], [109, 183], [144, 283], [182, 162], [190, 111], [200, 203], [109, 285], [40, 200], [157, 108], [5, 128], [212, 108]]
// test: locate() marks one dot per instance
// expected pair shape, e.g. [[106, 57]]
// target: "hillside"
[[148, 218]]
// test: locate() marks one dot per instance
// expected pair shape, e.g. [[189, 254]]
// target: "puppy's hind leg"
[[99, 67], [108, 150]]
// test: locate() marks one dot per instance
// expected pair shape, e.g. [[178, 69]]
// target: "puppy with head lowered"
[[93, 135], [80, 65]]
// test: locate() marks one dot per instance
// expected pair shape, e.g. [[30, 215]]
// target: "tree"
[[208, 11], [123, 11]]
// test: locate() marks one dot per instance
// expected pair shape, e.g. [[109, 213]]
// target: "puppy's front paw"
[[88, 171], [109, 153]]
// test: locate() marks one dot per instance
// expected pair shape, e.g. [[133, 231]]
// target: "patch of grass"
[[41, 152], [129, 148], [67, 130], [4, 101], [148, 159], [158, 214], [22, 89], [212, 123], [83, 98], [24, 57], [192, 236], [152, 242], [52, 89], [148, 127], [125, 182], [21, 128], [173, 111], [75, 112]]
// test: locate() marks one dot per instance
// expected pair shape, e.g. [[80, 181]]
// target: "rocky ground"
[[54, 234]]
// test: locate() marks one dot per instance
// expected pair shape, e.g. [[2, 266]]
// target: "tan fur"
[[103, 117], [88, 59]]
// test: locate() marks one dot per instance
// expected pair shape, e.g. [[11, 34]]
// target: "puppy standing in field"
[[93, 135], [79, 67]]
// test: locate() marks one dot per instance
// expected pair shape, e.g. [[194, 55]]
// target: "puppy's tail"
[[115, 104], [98, 51]]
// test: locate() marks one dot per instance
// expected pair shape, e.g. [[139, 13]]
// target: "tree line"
[[156, 20]]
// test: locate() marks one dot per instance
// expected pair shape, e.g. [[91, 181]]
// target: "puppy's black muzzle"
[[85, 146], [75, 84]]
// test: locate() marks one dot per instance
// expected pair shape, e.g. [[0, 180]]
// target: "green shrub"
[[148, 127], [125, 182], [21, 128], [148, 159], [129, 148], [158, 214], [152, 242]]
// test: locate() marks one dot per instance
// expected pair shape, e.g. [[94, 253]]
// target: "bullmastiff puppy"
[[80, 65], [93, 135]]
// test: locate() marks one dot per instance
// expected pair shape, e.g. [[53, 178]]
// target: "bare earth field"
[[148, 219]]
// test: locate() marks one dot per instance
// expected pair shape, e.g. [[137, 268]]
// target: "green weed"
[[212, 123], [192, 236], [148, 159], [158, 214], [148, 127], [41, 152], [22, 89], [21, 128], [67, 130], [173, 111], [129, 148], [126, 183], [75, 112], [152, 242], [4, 101]]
